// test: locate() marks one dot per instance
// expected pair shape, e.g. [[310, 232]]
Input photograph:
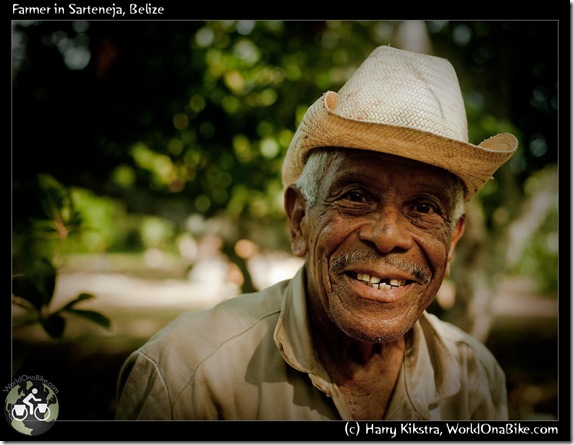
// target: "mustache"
[[347, 260]]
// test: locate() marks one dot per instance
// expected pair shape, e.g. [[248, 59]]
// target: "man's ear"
[[295, 208], [456, 235]]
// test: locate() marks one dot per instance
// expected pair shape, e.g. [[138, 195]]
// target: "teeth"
[[380, 283]]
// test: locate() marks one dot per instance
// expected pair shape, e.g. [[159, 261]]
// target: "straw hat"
[[402, 103]]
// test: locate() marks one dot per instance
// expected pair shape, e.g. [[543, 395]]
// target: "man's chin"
[[371, 332]]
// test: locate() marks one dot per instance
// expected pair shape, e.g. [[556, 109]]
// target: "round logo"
[[31, 407]]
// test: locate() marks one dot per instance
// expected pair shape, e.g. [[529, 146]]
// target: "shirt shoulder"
[[196, 334], [208, 346], [476, 362], [456, 340], [471, 383]]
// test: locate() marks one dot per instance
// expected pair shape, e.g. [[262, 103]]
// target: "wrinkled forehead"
[[345, 160]]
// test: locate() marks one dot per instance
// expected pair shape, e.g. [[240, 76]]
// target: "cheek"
[[436, 246], [324, 239], [325, 234]]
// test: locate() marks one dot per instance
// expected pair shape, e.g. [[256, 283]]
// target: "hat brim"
[[323, 127]]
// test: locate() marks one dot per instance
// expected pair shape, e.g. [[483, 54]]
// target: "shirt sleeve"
[[142, 393]]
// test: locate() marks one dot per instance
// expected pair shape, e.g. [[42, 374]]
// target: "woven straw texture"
[[402, 103]]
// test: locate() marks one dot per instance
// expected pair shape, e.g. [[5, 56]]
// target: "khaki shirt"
[[251, 358]]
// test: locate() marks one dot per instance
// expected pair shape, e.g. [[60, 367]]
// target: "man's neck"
[[365, 373]]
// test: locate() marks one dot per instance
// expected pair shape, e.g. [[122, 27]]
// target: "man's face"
[[377, 243]]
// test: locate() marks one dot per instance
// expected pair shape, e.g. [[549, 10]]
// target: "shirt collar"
[[292, 333]]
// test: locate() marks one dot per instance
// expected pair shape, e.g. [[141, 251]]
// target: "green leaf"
[[93, 316], [43, 275], [81, 297], [58, 205], [54, 325], [24, 288]]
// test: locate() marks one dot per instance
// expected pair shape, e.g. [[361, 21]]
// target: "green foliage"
[[34, 292], [540, 263], [42, 238], [51, 218], [539, 259], [193, 117]]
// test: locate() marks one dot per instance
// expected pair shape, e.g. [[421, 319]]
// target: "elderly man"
[[375, 179]]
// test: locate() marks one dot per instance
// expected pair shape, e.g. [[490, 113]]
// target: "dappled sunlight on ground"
[[124, 291], [516, 296]]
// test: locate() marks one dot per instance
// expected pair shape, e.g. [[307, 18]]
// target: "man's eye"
[[355, 197], [427, 209]]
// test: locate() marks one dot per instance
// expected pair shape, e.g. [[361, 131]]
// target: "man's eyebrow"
[[436, 187], [346, 178]]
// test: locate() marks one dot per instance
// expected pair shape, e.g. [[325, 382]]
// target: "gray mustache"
[[349, 259]]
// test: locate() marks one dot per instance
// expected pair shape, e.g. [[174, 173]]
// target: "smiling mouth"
[[377, 282]]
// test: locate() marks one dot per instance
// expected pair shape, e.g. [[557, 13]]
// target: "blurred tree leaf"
[[37, 286], [54, 325], [37, 289], [93, 316], [81, 297], [26, 289]]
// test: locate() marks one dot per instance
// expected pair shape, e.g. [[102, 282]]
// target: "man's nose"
[[388, 230]]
